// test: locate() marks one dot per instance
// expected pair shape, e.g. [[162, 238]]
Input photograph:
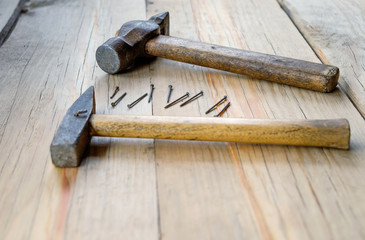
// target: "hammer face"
[[72, 136], [114, 55]]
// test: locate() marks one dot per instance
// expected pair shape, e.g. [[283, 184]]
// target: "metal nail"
[[217, 104], [223, 110], [115, 92], [201, 93], [118, 100], [77, 114], [178, 100], [169, 95], [151, 92], [137, 101]]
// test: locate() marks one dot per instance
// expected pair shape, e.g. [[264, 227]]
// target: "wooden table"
[[161, 189]]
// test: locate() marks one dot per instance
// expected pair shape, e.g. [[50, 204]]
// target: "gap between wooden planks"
[[335, 31], [9, 13]]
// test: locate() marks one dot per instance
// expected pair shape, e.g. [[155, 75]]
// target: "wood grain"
[[293, 72], [162, 189], [237, 191], [46, 63], [320, 133], [335, 31]]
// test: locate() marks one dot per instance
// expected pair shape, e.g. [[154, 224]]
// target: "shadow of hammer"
[[81, 123], [142, 39]]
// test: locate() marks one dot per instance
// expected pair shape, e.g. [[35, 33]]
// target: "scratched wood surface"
[[335, 30], [235, 191], [154, 189], [45, 65]]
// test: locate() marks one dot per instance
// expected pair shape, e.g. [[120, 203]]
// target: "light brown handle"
[[294, 72], [320, 133]]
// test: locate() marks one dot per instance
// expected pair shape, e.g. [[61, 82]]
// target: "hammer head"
[[119, 53], [72, 136]]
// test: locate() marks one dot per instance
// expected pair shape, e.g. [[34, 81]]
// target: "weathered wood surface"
[[335, 30], [46, 63], [236, 191], [151, 189]]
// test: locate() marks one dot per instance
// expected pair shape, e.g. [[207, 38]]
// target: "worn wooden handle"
[[320, 133], [294, 72]]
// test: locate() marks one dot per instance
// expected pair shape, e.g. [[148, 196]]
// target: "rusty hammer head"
[[119, 53], [73, 136]]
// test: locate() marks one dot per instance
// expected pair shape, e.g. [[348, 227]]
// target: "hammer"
[[81, 123], [143, 39]]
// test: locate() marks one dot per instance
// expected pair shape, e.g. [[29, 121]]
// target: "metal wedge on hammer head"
[[138, 39], [80, 124]]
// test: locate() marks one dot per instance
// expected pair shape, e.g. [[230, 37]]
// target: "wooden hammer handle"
[[294, 72], [333, 133]]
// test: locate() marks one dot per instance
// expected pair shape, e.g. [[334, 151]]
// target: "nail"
[[151, 92], [137, 101], [216, 105], [77, 114], [177, 100], [201, 93], [115, 92], [118, 100], [223, 110], [169, 95]]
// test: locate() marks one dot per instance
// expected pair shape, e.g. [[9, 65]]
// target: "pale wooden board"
[[47, 62], [237, 191], [335, 30], [201, 190]]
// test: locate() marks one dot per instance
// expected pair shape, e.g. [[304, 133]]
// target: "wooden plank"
[[335, 31], [205, 190], [198, 191], [47, 62], [235, 191]]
